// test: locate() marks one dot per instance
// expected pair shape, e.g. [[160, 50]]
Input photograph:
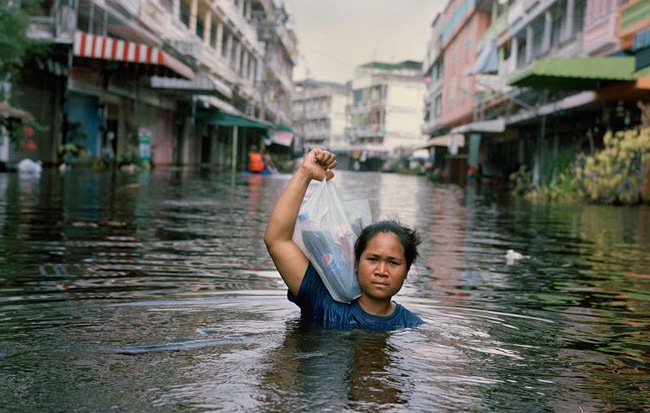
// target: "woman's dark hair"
[[408, 238]]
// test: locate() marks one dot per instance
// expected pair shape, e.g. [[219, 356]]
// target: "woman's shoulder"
[[407, 317]]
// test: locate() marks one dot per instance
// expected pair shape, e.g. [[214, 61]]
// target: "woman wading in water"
[[384, 253]]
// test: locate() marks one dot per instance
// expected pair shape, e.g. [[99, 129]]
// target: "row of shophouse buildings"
[[505, 84], [502, 83], [173, 82], [372, 118], [533, 82]]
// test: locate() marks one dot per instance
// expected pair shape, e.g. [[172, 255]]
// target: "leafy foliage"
[[15, 48], [14, 43], [613, 175]]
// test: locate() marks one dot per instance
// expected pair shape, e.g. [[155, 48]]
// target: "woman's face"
[[381, 269]]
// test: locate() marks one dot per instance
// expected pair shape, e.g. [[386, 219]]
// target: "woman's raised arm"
[[289, 259]]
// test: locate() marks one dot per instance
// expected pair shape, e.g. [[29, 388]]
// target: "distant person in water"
[[255, 160], [384, 253]]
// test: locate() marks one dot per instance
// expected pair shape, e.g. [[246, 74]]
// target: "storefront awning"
[[588, 73], [448, 141], [10, 112], [485, 126], [282, 128], [202, 84], [107, 48], [226, 119], [282, 138]]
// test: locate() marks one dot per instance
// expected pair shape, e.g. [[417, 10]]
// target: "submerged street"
[[153, 291]]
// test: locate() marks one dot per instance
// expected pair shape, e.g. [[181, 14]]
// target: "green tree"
[[14, 43], [15, 48]]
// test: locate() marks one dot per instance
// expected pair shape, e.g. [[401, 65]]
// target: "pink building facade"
[[464, 24]]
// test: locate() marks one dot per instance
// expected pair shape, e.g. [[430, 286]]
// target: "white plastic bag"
[[326, 231]]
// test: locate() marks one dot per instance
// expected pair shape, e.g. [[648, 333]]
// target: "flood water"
[[154, 292]]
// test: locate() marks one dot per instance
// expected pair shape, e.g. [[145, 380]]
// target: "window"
[[200, 27], [559, 22], [232, 57], [213, 33], [579, 17], [168, 5], [185, 14], [225, 41]]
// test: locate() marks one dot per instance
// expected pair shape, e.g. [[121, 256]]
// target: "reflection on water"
[[154, 292]]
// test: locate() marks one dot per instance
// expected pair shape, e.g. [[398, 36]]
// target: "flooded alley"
[[154, 292]]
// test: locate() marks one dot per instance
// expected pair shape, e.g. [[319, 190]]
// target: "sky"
[[336, 36]]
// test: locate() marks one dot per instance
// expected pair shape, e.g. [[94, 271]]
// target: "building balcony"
[[227, 10], [363, 132], [431, 126], [358, 109], [56, 29], [634, 17], [498, 26], [317, 134], [125, 7], [365, 107]]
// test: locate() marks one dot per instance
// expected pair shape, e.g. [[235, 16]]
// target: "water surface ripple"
[[154, 292]]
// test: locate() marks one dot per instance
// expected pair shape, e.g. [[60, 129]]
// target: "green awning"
[[226, 119], [282, 128], [589, 73], [642, 72]]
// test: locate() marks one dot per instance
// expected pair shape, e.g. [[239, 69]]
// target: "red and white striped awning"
[[100, 47]]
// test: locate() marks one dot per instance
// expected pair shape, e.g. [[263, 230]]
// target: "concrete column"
[[193, 11], [229, 50], [529, 43], [514, 53], [252, 70], [4, 144], [176, 9], [237, 57], [548, 29], [207, 28], [247, 9], [244, 68], [121, 138], [474, 149], [568, 29], [219, 44]]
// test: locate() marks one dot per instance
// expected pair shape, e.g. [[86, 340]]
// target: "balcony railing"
[[497, 27], [127, 7], [58, 28], [360, 132], [632, 14]]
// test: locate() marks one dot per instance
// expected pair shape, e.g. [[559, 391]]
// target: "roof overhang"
[[91, 46], [449, 140], [202, 84], [370, 148], [10, 112], [589, 73], [226, 119], [486, 126]]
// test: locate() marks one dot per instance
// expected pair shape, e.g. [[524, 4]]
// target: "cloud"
[[335, 36]]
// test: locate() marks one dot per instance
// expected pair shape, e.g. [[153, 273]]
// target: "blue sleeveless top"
[[316, 304]]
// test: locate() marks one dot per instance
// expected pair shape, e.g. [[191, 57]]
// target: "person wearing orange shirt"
[[255, 160]]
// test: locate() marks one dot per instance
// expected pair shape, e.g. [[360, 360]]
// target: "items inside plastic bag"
[[326, 231]]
